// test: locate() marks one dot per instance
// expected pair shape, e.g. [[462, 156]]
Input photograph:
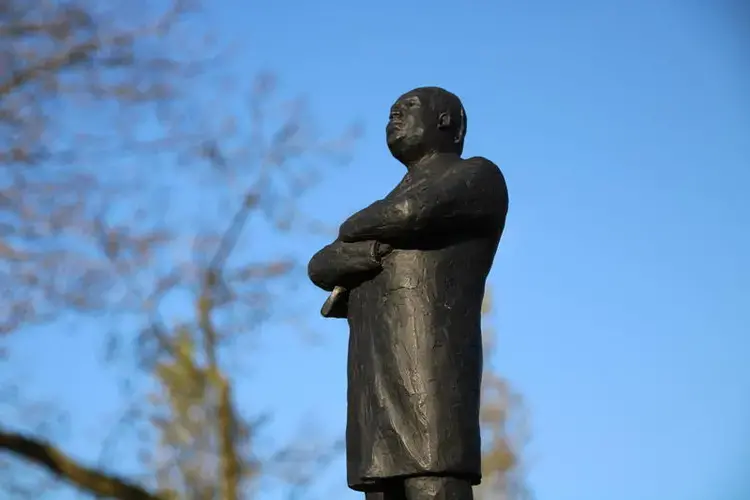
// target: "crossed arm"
[[469, 193], [344, 264]]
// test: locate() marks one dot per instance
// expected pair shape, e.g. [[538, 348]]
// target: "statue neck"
[[430, 159]]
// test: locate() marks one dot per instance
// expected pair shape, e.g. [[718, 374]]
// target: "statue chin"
[[399, 150], [396, 143], [403, 145]]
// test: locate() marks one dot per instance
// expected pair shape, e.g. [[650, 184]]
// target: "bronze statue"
[[408, 272]]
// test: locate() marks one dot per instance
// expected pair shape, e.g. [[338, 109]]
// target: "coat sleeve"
[[469, 193], [343, 264]]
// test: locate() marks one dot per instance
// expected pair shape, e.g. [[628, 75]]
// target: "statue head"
[[426, 121]]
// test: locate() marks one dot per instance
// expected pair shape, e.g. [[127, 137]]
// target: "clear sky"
[[622, 282]]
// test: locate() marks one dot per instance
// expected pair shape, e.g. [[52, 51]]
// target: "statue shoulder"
[[485, 169], [481, 162], [490, 180]]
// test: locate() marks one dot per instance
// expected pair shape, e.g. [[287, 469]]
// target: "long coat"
[[415, 344]]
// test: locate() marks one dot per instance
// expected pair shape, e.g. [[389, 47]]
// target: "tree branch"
[[66, 468], [81, 52]]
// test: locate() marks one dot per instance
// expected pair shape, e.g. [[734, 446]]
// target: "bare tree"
[[105, 125], [74, 79]]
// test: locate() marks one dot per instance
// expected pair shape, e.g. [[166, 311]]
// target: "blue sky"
[[622, 287]]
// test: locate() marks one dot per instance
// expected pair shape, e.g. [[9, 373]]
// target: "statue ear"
[[461, 127], [444, 120]]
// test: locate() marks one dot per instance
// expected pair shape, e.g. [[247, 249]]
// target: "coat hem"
[[373, 484]]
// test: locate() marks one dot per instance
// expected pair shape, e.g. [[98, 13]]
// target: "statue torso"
[[440, 277]]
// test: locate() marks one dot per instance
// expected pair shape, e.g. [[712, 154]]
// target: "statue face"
[[408, 127]]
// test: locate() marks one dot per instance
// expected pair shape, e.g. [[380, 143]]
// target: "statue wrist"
[[380, 250]]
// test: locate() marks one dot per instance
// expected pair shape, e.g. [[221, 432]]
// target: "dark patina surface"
[[408, 272]]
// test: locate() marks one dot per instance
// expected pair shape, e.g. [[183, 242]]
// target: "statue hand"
[[368, 255], [346, 230]]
